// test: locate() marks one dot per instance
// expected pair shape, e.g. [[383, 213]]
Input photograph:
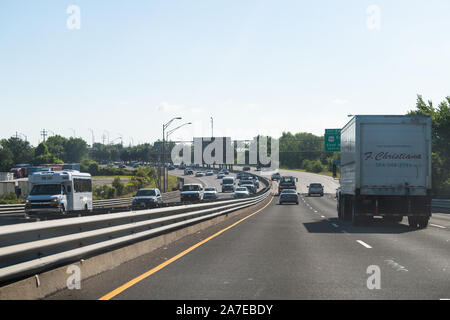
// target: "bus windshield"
[[45, 189]]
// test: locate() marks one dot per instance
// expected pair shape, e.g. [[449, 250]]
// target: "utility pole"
[[93, 138], [44, 134]]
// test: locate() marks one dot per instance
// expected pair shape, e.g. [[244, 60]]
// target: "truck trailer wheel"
[[346, 212], [356, 221], [423, 222], [412, 221]]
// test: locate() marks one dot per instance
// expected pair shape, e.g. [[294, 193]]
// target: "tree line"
[[297, 150], [440, 117]]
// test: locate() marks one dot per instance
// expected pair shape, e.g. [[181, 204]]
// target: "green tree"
[[75, 149], [21, 150], [41, 150], [440, 117], [55, 146], [6, 159], [119, 185]]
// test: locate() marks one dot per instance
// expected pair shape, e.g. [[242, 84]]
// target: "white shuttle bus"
[[60, 192]]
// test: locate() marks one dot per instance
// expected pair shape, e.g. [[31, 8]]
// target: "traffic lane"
[[440, 220], [206, 181], [420, 258], [272, 255], [97, 286], [304, 179]]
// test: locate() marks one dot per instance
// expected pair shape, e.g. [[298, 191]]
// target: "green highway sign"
[[332, 140]]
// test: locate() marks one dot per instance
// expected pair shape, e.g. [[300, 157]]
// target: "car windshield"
[[145, 193], [191, 187], [45, 189], [228, 181], [289, 191], [315, 185], [210, 189], [241, 189], [287, 179], [247, 182]]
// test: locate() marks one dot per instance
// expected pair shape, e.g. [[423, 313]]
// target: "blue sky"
[[254, 66]]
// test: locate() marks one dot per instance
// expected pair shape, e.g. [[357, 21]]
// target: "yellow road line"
[[131, 283]]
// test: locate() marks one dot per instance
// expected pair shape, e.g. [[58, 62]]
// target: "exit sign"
[[332, 140]]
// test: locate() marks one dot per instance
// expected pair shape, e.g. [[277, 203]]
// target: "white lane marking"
[[315, 211], [335, 225], [437, 226], [363, 244], [322, 216], [395, 265]]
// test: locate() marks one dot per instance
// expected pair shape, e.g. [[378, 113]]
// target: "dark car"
[[288, 196], [147, 198], [287, 182], [315, 188], [276, 176], [246, 168]]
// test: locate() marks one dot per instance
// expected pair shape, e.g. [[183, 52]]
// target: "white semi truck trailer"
[[386, 169]]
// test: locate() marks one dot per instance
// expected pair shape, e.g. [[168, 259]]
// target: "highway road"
[[289, 252]]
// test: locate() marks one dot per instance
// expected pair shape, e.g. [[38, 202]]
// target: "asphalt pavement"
[[292, 252]]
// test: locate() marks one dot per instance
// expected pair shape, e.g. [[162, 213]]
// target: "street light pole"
[[163, 151], [167, 139]]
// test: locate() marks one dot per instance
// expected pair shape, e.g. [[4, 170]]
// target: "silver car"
[[241, 192], [315, 188]]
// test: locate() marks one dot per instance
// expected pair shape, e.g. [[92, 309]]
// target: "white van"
[[61, 192]]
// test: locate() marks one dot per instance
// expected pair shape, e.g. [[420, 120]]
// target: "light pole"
[[93, 138], [107, 132], [18, 133], [212, 127], [167, 139], [165, 126]]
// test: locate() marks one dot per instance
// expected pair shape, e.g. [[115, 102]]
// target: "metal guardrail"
[[440, 203], [12, 208], [33, 247], [97, 204]]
